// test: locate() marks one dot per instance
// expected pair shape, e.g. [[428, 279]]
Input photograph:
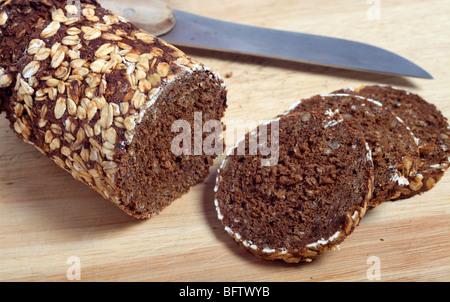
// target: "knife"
[[185, 29]]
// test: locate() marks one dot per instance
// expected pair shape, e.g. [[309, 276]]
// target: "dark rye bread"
[[395, 151], [428, 125], [99, 96], [306, 202]]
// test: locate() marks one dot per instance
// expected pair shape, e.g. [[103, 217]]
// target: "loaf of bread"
[[99, 96], [302, 201]]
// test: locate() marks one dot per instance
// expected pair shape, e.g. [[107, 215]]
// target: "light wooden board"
[[47, 217]]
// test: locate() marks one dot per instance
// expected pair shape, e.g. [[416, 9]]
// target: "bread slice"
[[308, 200], [395, 151], [429, 126]]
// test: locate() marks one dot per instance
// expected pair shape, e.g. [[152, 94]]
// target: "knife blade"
[[197, 31]]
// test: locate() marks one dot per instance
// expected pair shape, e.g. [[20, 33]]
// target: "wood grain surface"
[[48, 219]]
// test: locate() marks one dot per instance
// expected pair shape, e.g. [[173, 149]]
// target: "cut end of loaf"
[[151, 175]]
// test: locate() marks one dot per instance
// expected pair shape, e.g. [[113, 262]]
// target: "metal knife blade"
[[201, 32]]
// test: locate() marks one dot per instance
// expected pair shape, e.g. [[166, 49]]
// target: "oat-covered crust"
[[83, 83], [19, 20]]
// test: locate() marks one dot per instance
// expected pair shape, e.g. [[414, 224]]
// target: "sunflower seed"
[[3, 18], [106, 116], [112, 37], [42, 54], [101, 26], [108, 67], [138, 99], [61, 72], [104, 50], [130, 123], [124, 107], [55, 144], [52, 82], [30, 69], [91, 33], [58, 58], [5, 80], [26, 88], [72, 31], [58, 15], [81, 71], [88, 130], [143, 64], [91, 111], [97, 65], [81, 113], [66, 151], [71, 40], [50, 30], [56, 129], [48, 137], [35, 45], [71, 107], [69, 137], [124, 46], [88, 12], [132, 57], [60, 108], [144, 85], [111, 135], [145, 37], [163, 69]]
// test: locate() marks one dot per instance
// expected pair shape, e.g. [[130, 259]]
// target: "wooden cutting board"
[[53, 228]]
